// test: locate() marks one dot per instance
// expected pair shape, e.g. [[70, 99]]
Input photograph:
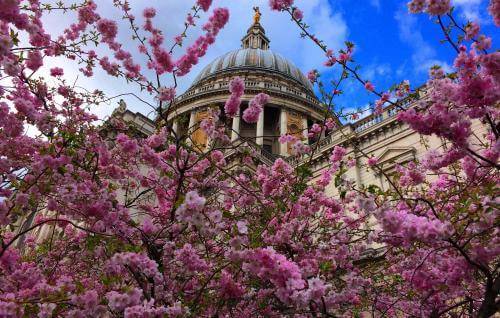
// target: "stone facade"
[[292, 109]]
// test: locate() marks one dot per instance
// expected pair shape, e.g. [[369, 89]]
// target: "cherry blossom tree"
[[114, 224]]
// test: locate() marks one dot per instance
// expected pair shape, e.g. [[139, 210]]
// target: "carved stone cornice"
[[268, 85]]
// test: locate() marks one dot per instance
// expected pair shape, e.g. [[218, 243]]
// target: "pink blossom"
[[188, 257], [149, 13], [189, 210], [299, 148], [160, 230], [279, 5], [412, 227], [190, 19], [87, 14], [436, 72], [438, 7], [369, 86], [372, 161], [166, 94], [417, 6], [330, 124], [242, 227], [286, 139], [119, 301], [494, 9], [256, 106], [46, 310], [232, 106], [110, 68], [108, 29], [194, 201], [56, 71], [163, 61], [471, 30], [344, 57], [215, 23], [298, 14], [316, 287], [204, 4], [410, 175], [338, 154], [148, 227], [5, 44], [128, 145], [230, 289], [312, 75], [282, 273], [35, 60], [483, 43], [330, 62]]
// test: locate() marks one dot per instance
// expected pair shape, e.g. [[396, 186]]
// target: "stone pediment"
[[395, 155]]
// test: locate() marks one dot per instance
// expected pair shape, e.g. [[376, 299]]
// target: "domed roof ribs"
[[255, 55], [256, 35]]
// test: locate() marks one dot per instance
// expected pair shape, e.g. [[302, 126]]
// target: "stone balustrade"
[[269, 86]]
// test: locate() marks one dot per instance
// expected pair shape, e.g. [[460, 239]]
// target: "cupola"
[[256, 35]]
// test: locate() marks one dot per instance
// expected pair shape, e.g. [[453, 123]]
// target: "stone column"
[[235, 132], [305, 130], [175, 127], [191, 128], [357, 170], [283, 131], [260, 128]]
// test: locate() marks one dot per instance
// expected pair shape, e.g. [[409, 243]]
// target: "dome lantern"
[[256, 35]]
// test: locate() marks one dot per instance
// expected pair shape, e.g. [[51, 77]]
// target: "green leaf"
[[374, 189]]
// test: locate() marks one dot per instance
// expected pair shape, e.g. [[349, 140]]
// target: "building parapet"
[[264, 85], [355, 130]]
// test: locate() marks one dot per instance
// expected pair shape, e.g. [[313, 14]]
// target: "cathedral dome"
[[254, 59]]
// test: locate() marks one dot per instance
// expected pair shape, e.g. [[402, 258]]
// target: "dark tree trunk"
[[490, 305]]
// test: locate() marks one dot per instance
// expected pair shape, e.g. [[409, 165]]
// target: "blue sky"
[[392, 45]]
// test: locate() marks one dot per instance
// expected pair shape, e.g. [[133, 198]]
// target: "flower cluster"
[[409, 227], [433, 7], [282, 273], [190, 210], [237, 88], [494, 9], [255, 107], [166, 94], [215, 23], [279, 5], [99, 221], [204, 4]]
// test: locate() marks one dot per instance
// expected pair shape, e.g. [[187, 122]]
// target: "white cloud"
[[447, 68], [371, 72], [424, 55], [469, 9], [375, 3]]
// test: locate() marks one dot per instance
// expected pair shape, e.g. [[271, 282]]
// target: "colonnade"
[[259, 139]]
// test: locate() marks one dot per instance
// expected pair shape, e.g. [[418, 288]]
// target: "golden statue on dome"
[[256, 17]]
